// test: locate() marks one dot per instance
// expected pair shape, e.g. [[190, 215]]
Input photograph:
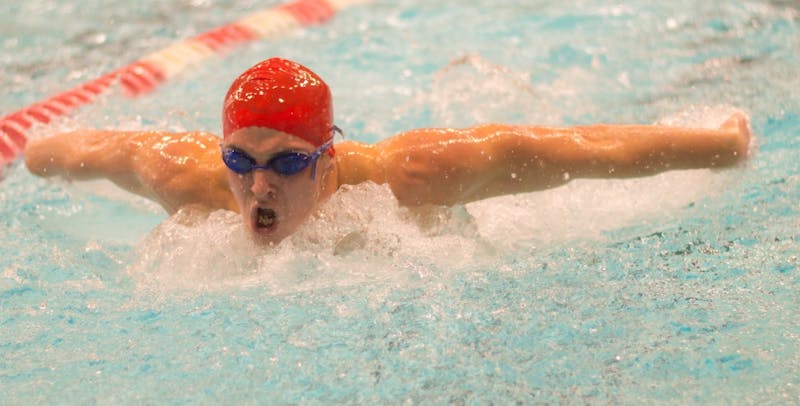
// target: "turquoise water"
[[679, 288]]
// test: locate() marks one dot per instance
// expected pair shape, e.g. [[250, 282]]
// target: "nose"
[[263, 185]]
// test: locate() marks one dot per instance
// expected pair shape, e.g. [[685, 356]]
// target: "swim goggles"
[[285, 163]]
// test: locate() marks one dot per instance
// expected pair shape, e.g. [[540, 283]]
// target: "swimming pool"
[[677, 288]]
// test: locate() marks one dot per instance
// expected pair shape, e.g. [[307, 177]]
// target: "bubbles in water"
[[361, 235], [587, 208], [194, 250]]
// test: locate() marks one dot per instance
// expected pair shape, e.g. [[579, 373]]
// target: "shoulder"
[[183, 168], [357, 162], [168, 144]]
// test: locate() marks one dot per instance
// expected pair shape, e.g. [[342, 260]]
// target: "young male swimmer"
[[276, 163]]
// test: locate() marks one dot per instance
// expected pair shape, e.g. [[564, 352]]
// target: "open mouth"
[[264, 218]]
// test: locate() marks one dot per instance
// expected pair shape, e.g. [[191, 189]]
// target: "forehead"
[[261, 140]]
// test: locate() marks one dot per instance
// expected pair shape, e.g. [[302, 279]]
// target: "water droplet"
[[98, 38], [672, 23]]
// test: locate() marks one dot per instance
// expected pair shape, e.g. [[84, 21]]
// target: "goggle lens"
[[291, 163], [237, 161]]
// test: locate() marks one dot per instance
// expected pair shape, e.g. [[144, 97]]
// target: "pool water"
[[677, 288]]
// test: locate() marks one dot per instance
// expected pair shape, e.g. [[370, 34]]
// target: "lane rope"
[[145, 74]]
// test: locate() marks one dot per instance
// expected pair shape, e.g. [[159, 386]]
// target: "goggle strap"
[[314, 168]]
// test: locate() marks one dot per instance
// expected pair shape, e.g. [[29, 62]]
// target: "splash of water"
[[347, 243]]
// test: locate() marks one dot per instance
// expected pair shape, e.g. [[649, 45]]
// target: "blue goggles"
[[285, 163]]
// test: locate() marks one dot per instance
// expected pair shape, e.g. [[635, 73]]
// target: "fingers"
[[739, 123]]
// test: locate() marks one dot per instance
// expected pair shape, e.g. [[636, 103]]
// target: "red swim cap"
[[281, 95]]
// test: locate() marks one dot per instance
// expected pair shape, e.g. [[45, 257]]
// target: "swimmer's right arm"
[[174, 169], [82, 155]]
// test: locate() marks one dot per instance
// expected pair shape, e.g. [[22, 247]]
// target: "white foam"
[[473, 90], [587, 208], [110, 191], [194, 250], [360, 236], [699, 116]]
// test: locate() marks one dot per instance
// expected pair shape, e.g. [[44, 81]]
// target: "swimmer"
[[276, 162]]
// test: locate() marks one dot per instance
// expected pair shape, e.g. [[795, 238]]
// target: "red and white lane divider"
[[147, 73]]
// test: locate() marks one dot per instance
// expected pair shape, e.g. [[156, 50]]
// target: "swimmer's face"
[[273, 205]]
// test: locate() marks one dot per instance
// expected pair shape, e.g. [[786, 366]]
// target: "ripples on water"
[[674, 287]]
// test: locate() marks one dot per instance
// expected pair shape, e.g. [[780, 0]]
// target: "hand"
[[43, 156], [739, 124]]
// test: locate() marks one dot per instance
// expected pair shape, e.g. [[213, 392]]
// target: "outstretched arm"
[[440, 166], [174, 169]]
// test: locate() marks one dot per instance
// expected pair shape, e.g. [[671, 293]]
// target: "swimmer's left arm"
[[446, 167]]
